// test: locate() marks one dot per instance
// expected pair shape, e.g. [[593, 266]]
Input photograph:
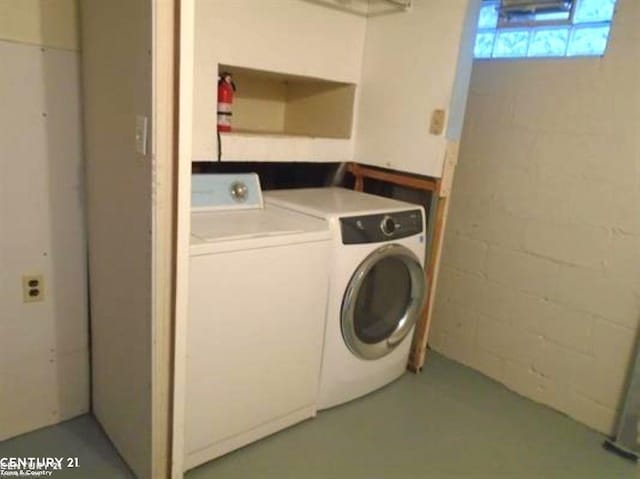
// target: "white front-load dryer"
[[377, 286]]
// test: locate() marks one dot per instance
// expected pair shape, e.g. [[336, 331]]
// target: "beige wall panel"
[[259, 104], [409, 70], [43, 345], [455, 120], [317, 109], [117, 87], [51, 23]]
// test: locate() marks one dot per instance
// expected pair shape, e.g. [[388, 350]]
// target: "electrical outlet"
[[32, 288]]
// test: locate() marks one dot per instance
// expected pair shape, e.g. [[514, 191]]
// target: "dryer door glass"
[[382, 302]]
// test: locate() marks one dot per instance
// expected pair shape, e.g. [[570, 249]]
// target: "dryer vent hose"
[[336, 178]]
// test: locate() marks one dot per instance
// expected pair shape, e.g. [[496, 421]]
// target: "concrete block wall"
[[540, 278]]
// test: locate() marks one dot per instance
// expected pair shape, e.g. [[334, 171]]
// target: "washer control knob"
[[239, 191], [388, 226]]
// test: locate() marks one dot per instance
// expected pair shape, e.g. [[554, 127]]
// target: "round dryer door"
[[382, 302]]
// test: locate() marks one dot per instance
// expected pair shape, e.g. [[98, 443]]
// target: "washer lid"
[[271, 221]]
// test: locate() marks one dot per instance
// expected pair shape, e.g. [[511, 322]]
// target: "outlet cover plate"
[[32, 288]]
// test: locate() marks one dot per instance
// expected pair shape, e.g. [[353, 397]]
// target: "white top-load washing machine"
[[258, 280], [376, 289]]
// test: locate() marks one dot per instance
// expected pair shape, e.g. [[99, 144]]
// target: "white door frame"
[[163, 223], [186, 65]]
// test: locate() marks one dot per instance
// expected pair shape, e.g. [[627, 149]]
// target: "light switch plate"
[[141, 135]]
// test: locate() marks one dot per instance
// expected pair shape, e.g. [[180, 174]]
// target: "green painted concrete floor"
[[448, 422]]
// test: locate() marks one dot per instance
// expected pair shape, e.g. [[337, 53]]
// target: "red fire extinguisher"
[[226, 88]]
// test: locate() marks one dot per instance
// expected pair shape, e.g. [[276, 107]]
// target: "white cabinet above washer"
[[414, 64], [377, 80], [288, 118], [295, 42]]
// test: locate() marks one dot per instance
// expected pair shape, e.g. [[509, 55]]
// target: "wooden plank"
[[421, 335], [354, 169], [448, 169], [359, 186], [401, 179]]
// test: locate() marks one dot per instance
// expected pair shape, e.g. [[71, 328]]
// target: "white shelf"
[[268, 147], [291, 104], [279, 117]]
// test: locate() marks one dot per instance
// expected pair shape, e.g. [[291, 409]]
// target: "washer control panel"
[[381, 227], [223, 191]]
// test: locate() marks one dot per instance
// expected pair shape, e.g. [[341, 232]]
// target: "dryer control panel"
[[381, 227]]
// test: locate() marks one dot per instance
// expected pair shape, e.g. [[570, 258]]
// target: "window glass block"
[[488, 16], [549, 42], [594, 11], [511, 44], [588, 41], [552, 16], [484, 44], [549, 34]]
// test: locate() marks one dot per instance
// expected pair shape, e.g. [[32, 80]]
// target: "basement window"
[[543, 28]]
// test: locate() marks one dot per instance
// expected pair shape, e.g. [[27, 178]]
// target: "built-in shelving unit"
[[282, 117], [297, 67], [333, 80], [273, 102]]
